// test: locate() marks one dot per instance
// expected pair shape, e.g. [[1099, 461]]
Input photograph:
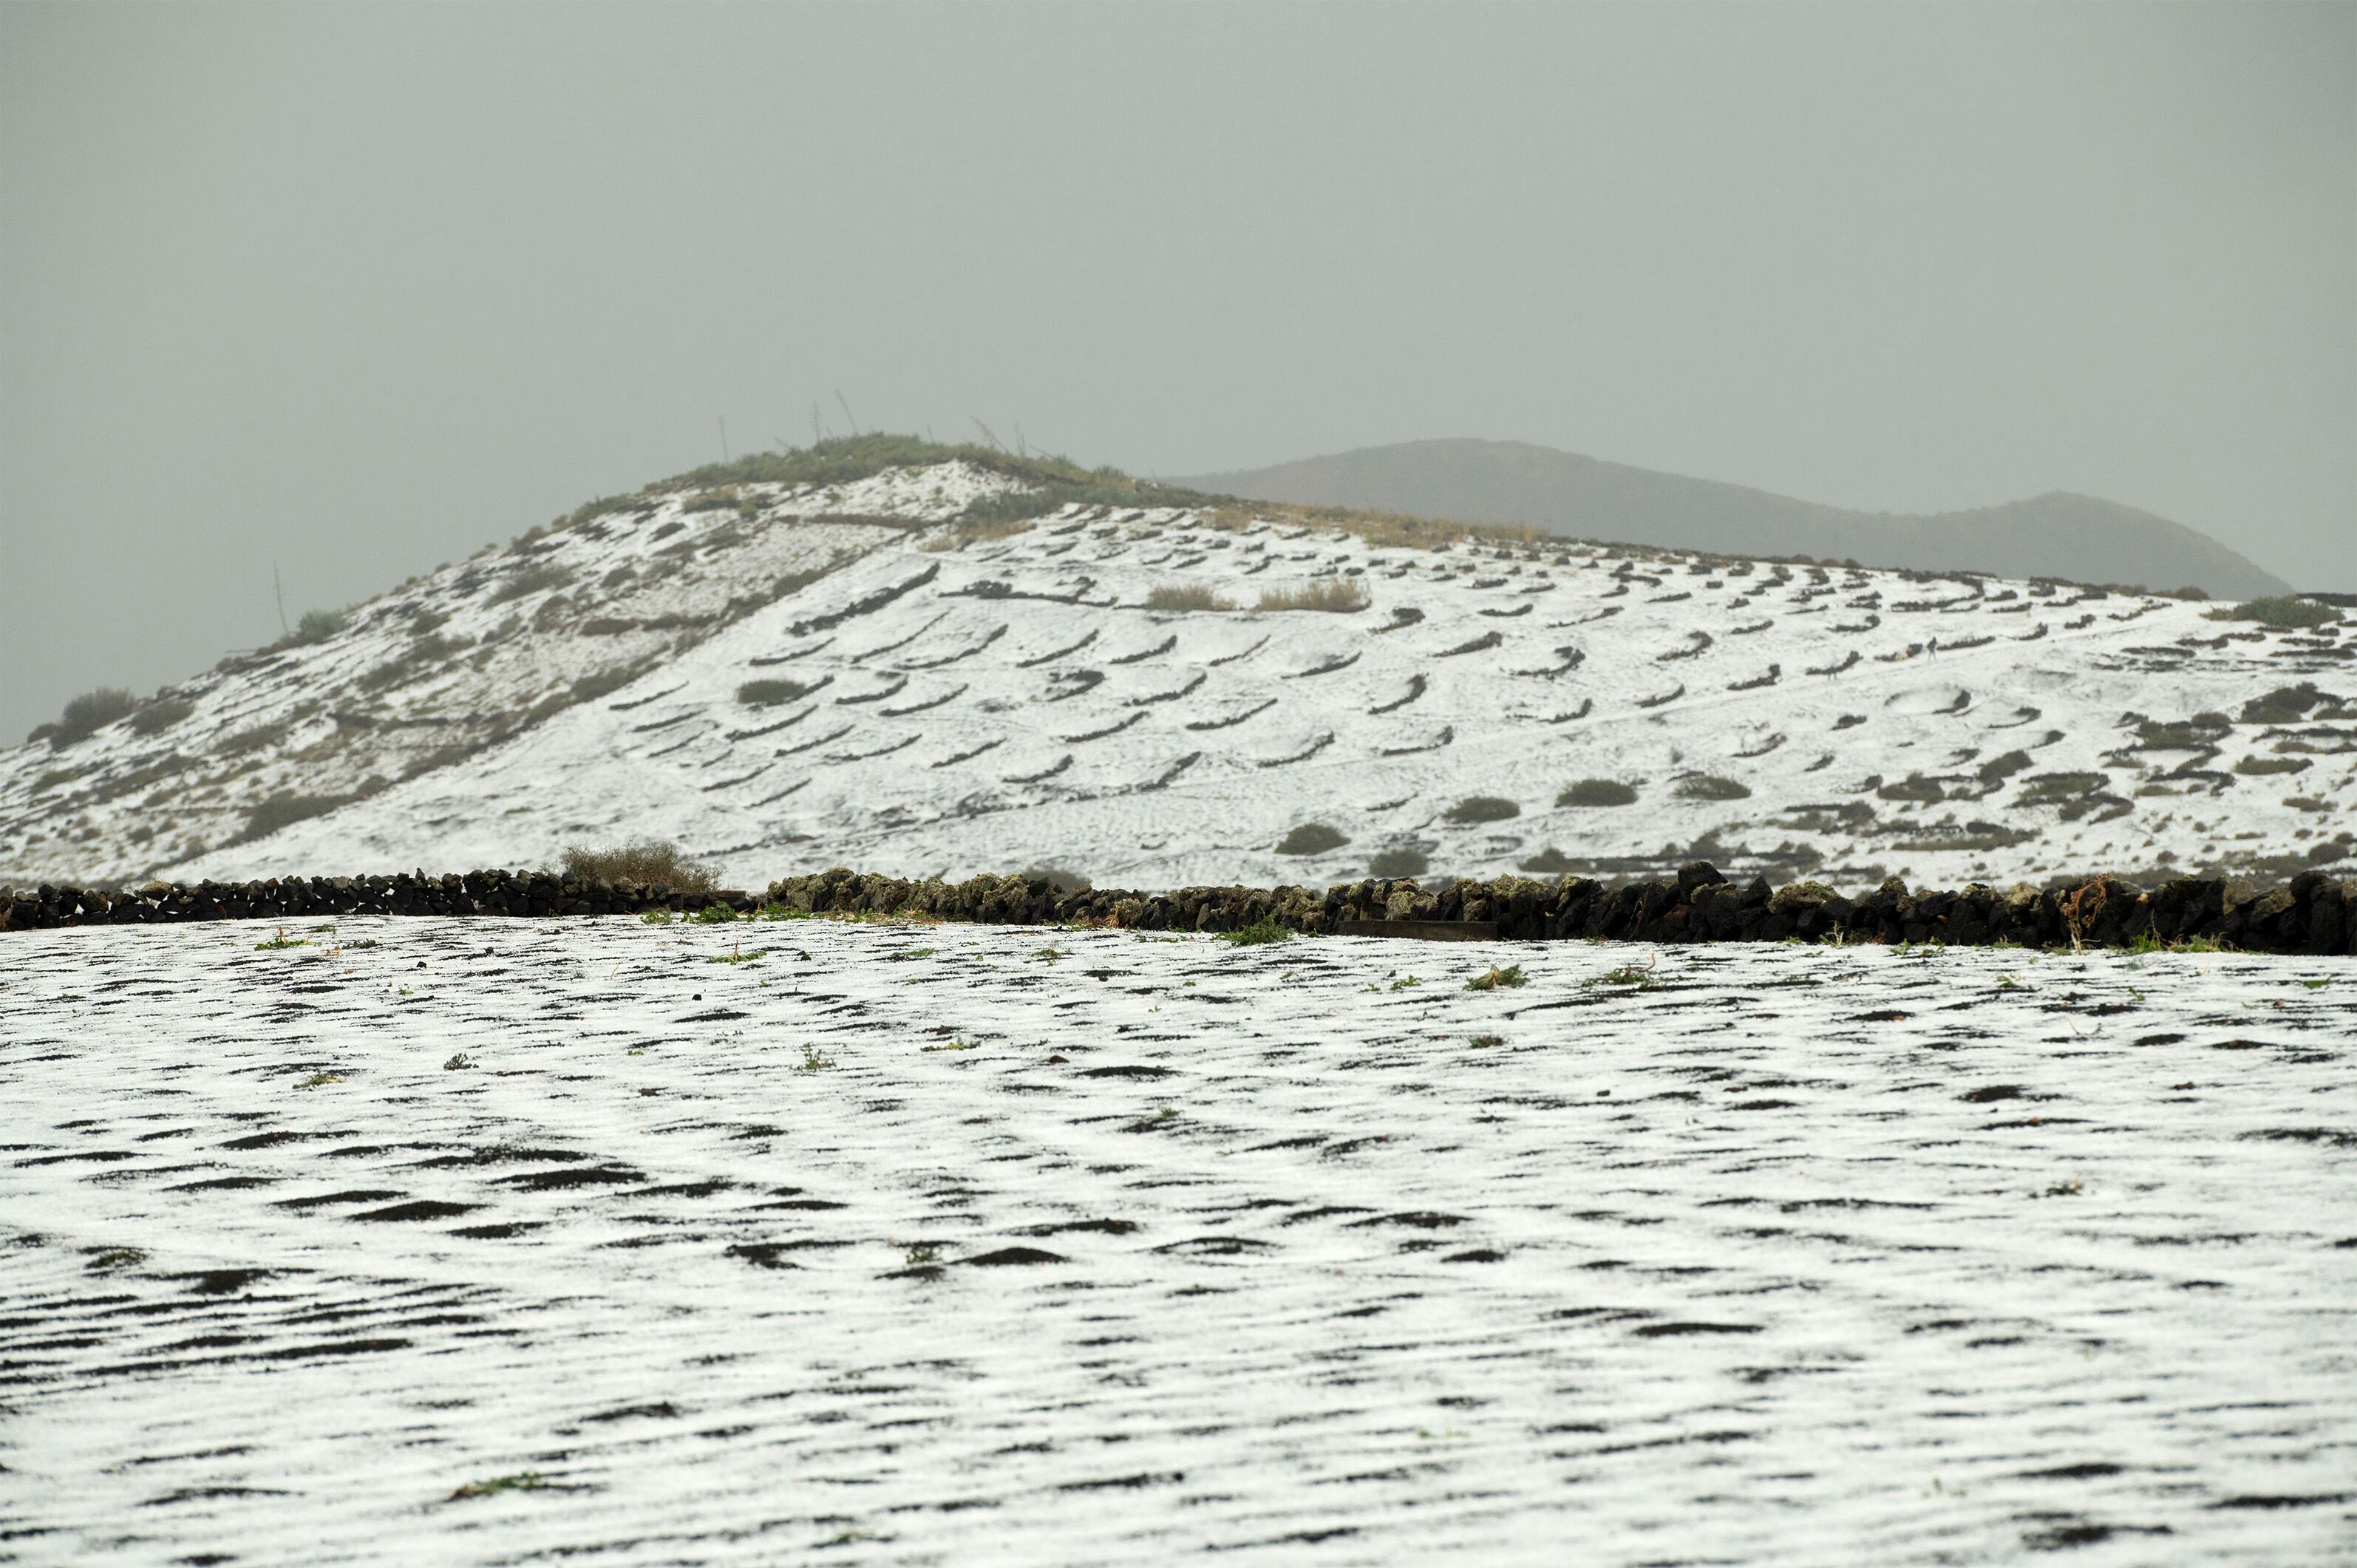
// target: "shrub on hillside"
[[1397, 863], [1185, 596], [1339, 595], [85, 714], [2284, 612], [1061, 879], [1598, 792], [532, 579], [282, 811], [1311, 838], [316, 626], [1548, 861], [1711, 787], [161, 714], [251, 740], [643, 862], [768, 693], [1482, 809]]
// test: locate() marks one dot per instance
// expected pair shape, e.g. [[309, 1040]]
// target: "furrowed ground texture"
[[469, 1241]]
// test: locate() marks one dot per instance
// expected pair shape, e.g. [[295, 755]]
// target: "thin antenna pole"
[[724, 439], [279, 593], [1020, 449], [814, 426], [846, 412]]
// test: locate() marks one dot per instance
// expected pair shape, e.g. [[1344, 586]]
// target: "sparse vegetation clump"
[[531, 579], [1548, 861], [1391, 864], [1711, 787], [958, 535], [1598, 792], [1255, 934], [1061, 878], [644, 863], [769, 694], [1509, 976], [1311, 838], [2284, 612], [1482, 809], [251, 740], [316, 626], [1185, 596], [1340, 596], [84, 715], [2054, 789], [161, 714], [284, 810], [522, 1481]]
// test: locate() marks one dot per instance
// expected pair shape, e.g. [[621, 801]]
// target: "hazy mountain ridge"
[[2076, 537]]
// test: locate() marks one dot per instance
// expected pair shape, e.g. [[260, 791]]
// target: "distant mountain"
[[2081, 539]]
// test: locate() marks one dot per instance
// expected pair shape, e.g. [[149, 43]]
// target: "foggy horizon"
[[346, 294]]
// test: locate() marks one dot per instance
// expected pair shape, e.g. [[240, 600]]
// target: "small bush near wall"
[[1402, 862], [640, 863], [1311, 838]]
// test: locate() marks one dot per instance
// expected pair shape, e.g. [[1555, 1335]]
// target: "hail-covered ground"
[[783, 679], [496, 1242]]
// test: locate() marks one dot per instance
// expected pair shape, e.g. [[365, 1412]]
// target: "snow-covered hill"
[[785, 678]]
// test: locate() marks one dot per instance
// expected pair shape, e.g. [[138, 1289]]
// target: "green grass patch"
[[1256, 934], [1509, 976]]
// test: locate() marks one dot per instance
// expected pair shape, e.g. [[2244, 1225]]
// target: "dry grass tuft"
[[957, 536], [1380, 530], [1339, 595], [1185, 596]]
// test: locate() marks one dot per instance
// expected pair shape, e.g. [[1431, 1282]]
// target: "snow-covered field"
[[939, 705], [960, 1244]]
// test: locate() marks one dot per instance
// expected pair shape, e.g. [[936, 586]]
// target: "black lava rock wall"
[[2313, 915]]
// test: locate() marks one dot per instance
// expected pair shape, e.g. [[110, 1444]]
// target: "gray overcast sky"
[[355, 290]]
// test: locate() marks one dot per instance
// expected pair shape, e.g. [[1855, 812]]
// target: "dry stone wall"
[[2314, 914]]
